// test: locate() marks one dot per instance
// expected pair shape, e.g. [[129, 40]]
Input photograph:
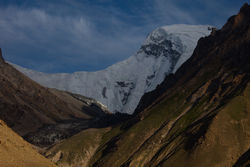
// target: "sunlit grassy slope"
[[15, 152], [77, 150]]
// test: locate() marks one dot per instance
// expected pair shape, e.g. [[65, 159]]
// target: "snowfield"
[[120, 86]]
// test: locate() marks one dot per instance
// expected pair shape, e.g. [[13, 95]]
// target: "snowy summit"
[[120, 86]]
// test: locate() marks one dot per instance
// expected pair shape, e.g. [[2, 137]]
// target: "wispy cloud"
[[64, 39], [170, 12], [69, 35]]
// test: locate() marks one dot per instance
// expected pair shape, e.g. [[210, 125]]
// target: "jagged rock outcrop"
[[120, 86], [235, 32], [198, 116], [41, 115]]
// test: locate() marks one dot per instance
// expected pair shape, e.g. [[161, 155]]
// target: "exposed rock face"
[[235, 33], [120, 86], [43, 116], [199, 116]]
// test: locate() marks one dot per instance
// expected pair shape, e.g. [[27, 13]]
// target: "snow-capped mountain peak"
[[121, 85]]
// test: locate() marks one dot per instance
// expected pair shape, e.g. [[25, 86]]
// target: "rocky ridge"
[[43, 116], [120, 86], [198, 116]]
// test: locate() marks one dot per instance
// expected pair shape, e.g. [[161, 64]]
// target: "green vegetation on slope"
[[197, 117], [226, 139], [78, 149]]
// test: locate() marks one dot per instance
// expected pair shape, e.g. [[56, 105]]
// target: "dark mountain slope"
[[200, 116], [42, 115], [211, 53]]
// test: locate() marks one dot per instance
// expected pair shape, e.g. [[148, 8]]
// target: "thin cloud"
[[69, 35], [170, 12], [73, 38]]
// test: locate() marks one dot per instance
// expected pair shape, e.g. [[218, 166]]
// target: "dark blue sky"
[[89, 35]]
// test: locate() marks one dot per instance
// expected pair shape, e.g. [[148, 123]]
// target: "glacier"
[[121, 86]]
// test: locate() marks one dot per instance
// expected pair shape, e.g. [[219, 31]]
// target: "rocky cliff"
[[199, 116]]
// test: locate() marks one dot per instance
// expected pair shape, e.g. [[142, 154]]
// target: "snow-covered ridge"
[[121, 85]]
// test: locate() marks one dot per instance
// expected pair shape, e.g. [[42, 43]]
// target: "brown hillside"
[[15, 152], [199, 116], [43, 116]]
